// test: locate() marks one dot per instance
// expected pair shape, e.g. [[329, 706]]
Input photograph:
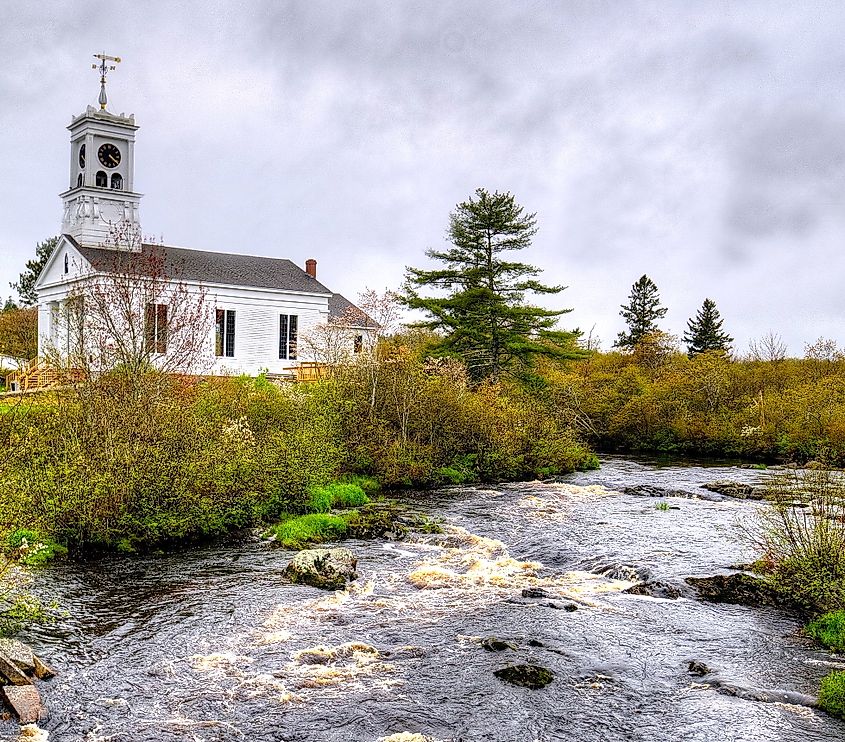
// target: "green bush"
[[829, 630], [832, 694], [298, 531], [370, 485], [336, 495], [32, 549]]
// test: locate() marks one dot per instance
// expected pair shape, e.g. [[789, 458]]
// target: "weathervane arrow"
[[104, 69]]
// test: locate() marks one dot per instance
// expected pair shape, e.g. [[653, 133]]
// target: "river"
[[212, 644]]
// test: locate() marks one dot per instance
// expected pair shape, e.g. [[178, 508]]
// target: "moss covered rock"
[[328, 569], [527, 676]]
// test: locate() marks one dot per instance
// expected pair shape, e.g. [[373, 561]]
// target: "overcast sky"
[[702, 143]]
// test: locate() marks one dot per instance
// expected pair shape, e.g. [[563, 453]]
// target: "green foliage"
[[641, 313], [704, 331], [314, 528], [829, 630], [708, 405], [25, 285], [132, 462], [32, 549], [832, 694], [806, 554], [336, 495], [479, 304], [664, 506], [370, 485]]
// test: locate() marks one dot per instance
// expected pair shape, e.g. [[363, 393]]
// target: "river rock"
[[25, 702], [698, 668], [19, 653], [740, 490], [653, 490], [654, 589], [12, 672], [527, 676], [328, 569], [739, 588], [492, 644], [535, 592]]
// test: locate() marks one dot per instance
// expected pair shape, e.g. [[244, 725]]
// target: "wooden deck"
[[38, 375]]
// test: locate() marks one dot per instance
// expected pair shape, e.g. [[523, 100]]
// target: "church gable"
[[66, 264]]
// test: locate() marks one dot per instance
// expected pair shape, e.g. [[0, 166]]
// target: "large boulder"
[[19, 653], [739, 588], [740, 490], [653, 490], [328, 569]]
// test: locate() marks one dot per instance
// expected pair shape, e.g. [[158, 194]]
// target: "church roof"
[[209, 267], [340, 308]]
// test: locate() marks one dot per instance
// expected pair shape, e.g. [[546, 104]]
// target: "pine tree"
[[705, 331], [480, 310], [641, 313], [25, 285]]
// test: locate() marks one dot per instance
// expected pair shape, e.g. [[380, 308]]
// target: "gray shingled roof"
[[341, 308], [209, 267]]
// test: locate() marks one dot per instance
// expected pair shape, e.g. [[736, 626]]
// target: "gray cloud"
[[698, 142]]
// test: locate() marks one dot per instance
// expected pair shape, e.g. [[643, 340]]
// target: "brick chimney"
[[311, 267]]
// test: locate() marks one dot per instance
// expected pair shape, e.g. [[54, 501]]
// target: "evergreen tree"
[[641, 313], [705, 331], [480, 309], [25, 285]]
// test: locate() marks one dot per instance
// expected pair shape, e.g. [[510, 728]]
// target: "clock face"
[[109, 155], [82, 156]]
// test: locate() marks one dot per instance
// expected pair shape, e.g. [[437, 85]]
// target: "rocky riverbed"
[[517, 622]]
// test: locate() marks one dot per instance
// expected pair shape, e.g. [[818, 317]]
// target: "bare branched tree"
[[134, 314], [770, 347]]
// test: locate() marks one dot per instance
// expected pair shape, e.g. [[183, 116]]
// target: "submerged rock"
[[527, 676], [740, 490], [654, 589], [698, 668], [739, 588], [535, 592], [653, 490], [328, 569], [492, 644]]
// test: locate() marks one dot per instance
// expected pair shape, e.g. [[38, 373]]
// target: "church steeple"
[[101, 196]]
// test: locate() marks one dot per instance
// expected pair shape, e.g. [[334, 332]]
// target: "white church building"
[[258, 307]]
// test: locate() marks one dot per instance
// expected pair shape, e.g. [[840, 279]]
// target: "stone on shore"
[[43, 671], [12, 672], [19, 653], [328, 569], [25, 702]]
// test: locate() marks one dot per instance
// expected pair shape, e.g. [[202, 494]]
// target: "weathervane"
[[104, 70]]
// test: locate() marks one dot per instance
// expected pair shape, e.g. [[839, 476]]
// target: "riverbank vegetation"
[[655, 398], [129, 462]]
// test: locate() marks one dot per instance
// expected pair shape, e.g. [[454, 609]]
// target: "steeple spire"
[[104, 70]]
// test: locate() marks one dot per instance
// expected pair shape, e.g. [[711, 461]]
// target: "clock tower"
[[101, 197]]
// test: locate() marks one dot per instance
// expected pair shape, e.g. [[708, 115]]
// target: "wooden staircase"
[[38, 375]]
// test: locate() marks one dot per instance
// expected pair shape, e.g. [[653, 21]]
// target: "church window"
[[66, 263], [117, 182], [224, 333], [155, 328], [79, 180], [358, 343], [288, 333], [102, 180]]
